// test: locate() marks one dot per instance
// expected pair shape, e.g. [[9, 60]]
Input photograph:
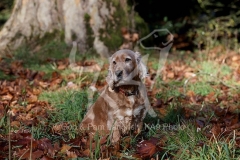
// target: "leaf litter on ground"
[[216, 115]]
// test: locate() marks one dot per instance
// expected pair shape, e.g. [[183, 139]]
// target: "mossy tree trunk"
[[91, 23]]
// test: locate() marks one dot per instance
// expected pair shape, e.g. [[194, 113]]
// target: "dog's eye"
[[127, 60], [114, 62]]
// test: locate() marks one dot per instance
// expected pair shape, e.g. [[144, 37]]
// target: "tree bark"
[[85, 21]]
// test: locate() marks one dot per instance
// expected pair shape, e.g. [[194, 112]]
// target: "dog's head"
[[125, 68]]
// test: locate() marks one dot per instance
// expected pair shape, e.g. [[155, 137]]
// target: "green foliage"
[[54, 36], [5, 9], [6, 3], [53, 50], [4, 124], [90, 34], [169, 90], [174, 114], [141, 26], [70, 109], [4, 15], [201, 88], [111, 34], [218, 24], [70, 106], [216, 30], [181, 141], [187, 143]]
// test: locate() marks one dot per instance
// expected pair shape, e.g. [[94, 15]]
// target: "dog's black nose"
[[118, 73]]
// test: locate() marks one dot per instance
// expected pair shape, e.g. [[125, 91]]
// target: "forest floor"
[[197, 98]]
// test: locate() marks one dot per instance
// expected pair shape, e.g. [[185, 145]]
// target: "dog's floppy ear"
[[109, 78], [142, 69]]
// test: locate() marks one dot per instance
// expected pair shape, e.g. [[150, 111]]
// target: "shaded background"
[[190, 21]]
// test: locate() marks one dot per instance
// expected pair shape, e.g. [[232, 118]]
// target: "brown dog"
[[123, 104]]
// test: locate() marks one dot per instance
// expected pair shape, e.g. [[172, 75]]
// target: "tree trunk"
[[91, 23]]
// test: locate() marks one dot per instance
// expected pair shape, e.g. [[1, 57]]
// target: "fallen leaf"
[[46, 158], [65, 148], [7, 97], [62, 67], [43, 84], [147, 148], [86, 152], [216, 130], [2, 111], [71, 154], [170, 75], [15, 124]]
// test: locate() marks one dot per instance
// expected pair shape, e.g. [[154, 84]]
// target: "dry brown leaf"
[[230, 119], [188, 112], [37, 154], [170, 75], [192, 96], [43, 84], [147, 148], [189, 75], [2, 111], [72, 85], [15, 124], [29, 107], [71, 76], [24, 154], [210, 97], [36, 91], [45, 145], [62, 67], [86, 152], [235, 58], [7, 97], [71, 154], [29, 116], [216, 130], [46, 158], [159, 103], [65, 148], [93, 68]]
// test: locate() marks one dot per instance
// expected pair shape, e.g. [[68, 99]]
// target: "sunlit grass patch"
[[214, 68], [201, 88], [70, 107]]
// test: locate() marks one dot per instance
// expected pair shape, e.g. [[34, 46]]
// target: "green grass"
[[4, 125], [201, 88], [184, 141], [46, 68], [174, 113], [214, 68], [70, 107], [51, 51], [169, 89], [187, 143]]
